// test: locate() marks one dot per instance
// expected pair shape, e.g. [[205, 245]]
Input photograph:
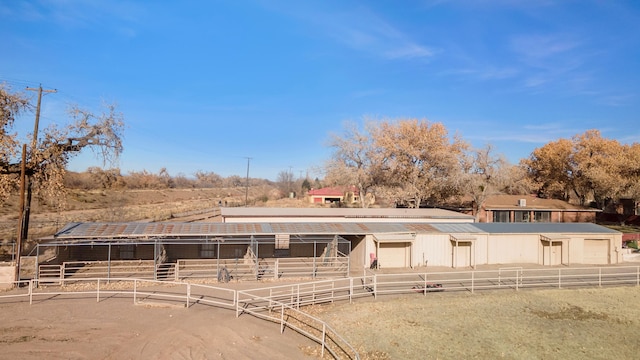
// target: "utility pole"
[[246, 192], [21, 223], [25, 183]]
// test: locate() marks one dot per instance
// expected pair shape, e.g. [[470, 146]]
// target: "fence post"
[[237, 301], [298, 296], [473, 278], [518, 275], [333, 291], [375, 286], [275, 270], [30, 291], [599, 277], [424, 288], [188, 294], [559, 278], [350, 290], [324, 335], [281, 318]]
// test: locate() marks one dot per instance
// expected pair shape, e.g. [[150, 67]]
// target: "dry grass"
[[129, 205], [531, 324]]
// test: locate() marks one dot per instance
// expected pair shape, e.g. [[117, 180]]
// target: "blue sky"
[[205, 84]]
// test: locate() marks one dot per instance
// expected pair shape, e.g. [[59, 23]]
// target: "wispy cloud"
[[74, 13], [363, 30], [367, 93], [618, 99], [537, 49]]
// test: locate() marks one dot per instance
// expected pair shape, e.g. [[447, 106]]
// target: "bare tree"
[[46, 160], [484, 175], [355, 161], [11, 106], [285, 182]]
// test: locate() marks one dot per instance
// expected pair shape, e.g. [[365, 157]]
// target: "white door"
[[596, 252], [552, 254], [463, 255], [393, 255]]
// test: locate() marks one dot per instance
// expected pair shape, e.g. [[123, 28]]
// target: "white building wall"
[[431, 250], [513, 248], [577, 247]]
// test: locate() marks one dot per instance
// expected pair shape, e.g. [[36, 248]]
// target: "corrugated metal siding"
[[432, 250], [513, 248]]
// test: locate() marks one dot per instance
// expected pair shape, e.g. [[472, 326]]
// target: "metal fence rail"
[[139, 290], [282, 303], [290, 317], [186, 269]]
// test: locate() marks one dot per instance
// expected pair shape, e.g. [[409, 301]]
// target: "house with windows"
[[527, 209]]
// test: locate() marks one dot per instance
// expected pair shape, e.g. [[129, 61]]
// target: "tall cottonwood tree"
[[588, 167], [420, 159], [550, 169], [631, 172]]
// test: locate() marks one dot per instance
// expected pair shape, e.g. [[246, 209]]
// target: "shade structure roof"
[[134, 230], [204, 230]]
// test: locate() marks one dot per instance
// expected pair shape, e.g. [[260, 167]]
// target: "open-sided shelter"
[[314, 249]]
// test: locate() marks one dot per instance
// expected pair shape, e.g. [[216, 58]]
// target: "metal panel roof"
[[542, 228], [394, 238], [358, 213], [457, 228], [211, 230], [208, 230]]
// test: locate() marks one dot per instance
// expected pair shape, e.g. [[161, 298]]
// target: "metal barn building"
[[314, 249]]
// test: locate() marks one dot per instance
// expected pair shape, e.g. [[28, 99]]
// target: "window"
[[542, 216], [501, 216], [127, 252], [521, 216], [208, 251]]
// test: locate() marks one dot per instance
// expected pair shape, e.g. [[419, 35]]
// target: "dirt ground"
[[118, 329], [527, 324]]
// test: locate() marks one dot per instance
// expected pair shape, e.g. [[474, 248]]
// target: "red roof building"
[[330, 195]]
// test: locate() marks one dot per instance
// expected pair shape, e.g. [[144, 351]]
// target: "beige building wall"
[[432, 250], [513, 248]]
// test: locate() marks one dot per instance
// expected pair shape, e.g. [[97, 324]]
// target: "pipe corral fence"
[[239, 258], [283, 304]]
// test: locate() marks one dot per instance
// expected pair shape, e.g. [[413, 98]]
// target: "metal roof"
[[457, 228], [208, 230], [542, 228], [212, 230], [394, 238], [358, 213]]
